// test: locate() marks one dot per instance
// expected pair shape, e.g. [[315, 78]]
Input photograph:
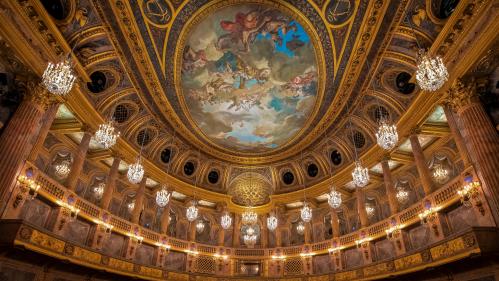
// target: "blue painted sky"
[[298, 34]]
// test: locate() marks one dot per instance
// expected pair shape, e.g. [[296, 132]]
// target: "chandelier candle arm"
[[226, 221], [107, 135], [162, 197]]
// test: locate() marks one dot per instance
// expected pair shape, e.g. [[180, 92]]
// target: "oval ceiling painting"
[[249, 77]]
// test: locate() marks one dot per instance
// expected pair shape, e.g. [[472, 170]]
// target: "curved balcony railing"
[[280, 261]]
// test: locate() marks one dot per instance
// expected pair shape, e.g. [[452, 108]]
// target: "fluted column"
[[361, 207], [165, 219], [48, 119], [78, 161], [423, 171], [18, 136], [221, 237], [110, 183], [278, 237], [236, 231], [139, 201], [458, 137], [481, 138], [390, 189], [264, 237], [335, 223], [307, 234]]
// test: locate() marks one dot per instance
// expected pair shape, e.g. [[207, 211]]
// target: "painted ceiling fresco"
[[249, 77]]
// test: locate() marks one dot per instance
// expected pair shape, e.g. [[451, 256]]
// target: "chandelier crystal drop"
[[162, 197], [249, 218], [431, 73], [272, 222], [402, 196], [191, 213], [226, 221], [334, 198], [250, 230], [360, 175], [99, 190], [106, 135], [440, 174], [387, 136], [63, 168], [306, 212], [59, 78], [200, 226], [300, 228], [135, 172]]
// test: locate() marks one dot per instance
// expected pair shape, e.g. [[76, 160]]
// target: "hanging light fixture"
[[370, 210], [249, 217], [192, 212], [58, 78], [272, 222], [131, 206], [402, 195], [387, 136], [106, 135], [99, 190], [432, 72], [226, 221], [250, 230], [63, 168], [334, 198], [306, 212], [135, 172], [199, 226], [249, 240], [162, 197], [360, 175], [440, 174], [300, 228]]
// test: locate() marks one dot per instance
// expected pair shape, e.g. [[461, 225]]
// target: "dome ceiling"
[[248, 77]]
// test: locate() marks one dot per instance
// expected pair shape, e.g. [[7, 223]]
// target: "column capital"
[[414, 131], [35, 92], [386, 157], [461, 94], [86, 129]]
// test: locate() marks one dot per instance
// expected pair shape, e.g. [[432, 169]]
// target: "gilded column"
[[335, 223], [48, 119], [165, 219], [79, 160], [423, 171], [264, 235], [481, 138], [458, 137], [110, 183], [278, 237], [139, 201], [307, 234], [361, 208], [221, 237], [18, 136], [390, 189]]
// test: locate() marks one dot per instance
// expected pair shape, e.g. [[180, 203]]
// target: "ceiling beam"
[[98, 155], [435, 129], [402, 157], [66, 126]]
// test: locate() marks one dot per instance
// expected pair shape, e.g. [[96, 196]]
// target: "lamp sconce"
[[428, 215], [467, 192], [164, 247], [70, 209], [136, 238], [31, 186], [363, 242], [106, 227], [393, 232]]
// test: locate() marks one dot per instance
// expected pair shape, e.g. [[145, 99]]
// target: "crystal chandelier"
[[250, 230], [300, 228], [249, 240], [135, 172], [306, 212], [249, 217], [59, 78], [334, 198], [131, 206], [272, 222], [370, 210], [162, 197], [402, 195], [99, 190], [431, 73], [360, 175], [387, 135], [440, 174], [63, 168], [199, 226], [192, 213], [226, 221], [106, 135]]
